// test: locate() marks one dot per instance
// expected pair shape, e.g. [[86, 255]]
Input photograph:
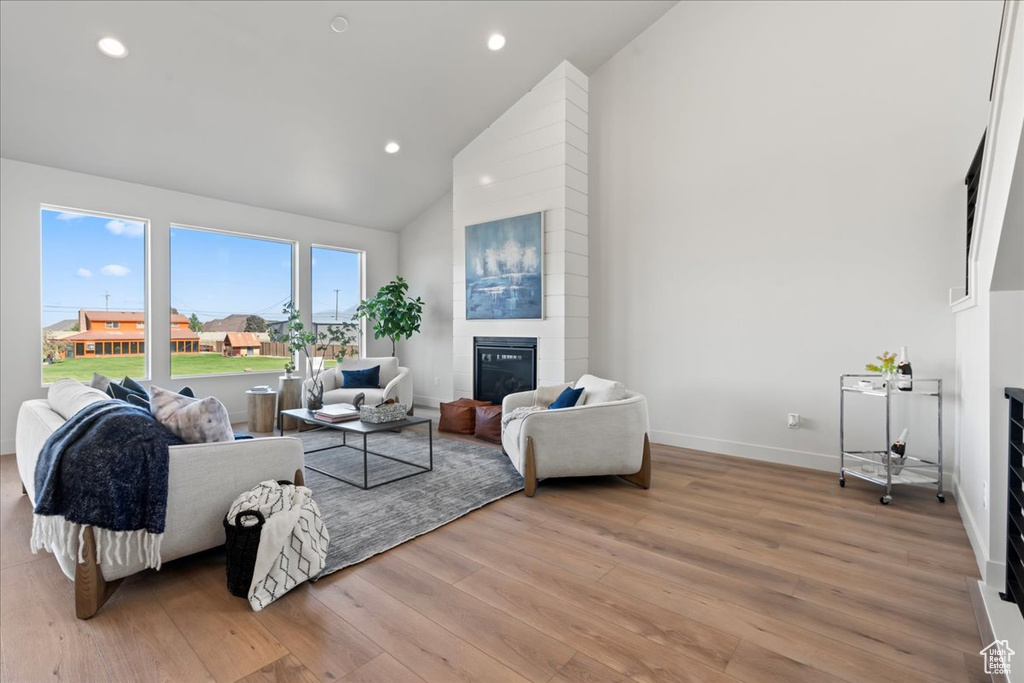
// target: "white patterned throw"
[[293, 541]]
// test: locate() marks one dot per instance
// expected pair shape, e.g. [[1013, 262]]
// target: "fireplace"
[[503, 366]]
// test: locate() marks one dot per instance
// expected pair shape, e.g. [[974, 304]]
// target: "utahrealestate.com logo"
[[997, 657]]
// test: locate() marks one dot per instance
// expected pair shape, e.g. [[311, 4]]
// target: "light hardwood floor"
[[725, 570]]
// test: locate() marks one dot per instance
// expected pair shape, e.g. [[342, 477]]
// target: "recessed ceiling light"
[[339, 24], [392, 147], [112, 47], [486, 180], [496, 41]]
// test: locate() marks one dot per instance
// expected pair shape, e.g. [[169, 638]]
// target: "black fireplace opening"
[[503, 366]]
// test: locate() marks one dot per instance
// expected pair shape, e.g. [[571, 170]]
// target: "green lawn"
[[133, 366]]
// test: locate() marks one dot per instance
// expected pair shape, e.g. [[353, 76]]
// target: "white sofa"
[[203, 480], [395, 382], [595, 438]]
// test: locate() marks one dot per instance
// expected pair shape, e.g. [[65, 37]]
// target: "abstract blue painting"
[[505, 269]]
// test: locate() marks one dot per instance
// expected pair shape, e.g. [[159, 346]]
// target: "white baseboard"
[[825, 462], [1006, 623], [428, 401], [992, 572], [7, 447]]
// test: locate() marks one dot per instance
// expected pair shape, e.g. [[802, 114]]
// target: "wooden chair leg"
[[24, 491], [530, 469], [91, 589], [643, 477], [300, 477]]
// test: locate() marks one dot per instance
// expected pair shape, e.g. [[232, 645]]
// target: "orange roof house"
[[123, 333], [241, 344]]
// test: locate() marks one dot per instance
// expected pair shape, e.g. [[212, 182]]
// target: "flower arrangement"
[[886, 364]]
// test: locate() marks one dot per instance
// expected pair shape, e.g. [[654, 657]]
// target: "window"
[[93, 279], [237, 282], [337, 284]]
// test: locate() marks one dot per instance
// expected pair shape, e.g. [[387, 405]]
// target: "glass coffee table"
[[366, 428]]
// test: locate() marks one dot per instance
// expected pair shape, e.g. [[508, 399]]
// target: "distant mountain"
[[62, 326], [327, 316]]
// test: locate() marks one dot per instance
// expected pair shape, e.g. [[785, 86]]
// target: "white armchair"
[[395, 382], [591, 439]]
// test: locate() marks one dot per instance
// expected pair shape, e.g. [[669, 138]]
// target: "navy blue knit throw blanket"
[[106, 468]]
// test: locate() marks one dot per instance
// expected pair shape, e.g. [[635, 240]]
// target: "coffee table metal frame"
[[365, 428]]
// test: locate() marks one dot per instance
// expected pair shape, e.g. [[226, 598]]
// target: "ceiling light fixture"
[[112, 47], [392, 147], [339, 24], [496, 41]]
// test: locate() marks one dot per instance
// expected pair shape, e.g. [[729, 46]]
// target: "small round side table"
[[261, 410], [289, 390]]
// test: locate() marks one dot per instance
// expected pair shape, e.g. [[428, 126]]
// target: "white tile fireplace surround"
[[533, 158]]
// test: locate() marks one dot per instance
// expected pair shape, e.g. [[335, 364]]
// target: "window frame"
[[147, 239], [361, 253], [293, 283]]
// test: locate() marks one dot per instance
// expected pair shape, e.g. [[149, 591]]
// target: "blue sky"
[[86, 256], [212, 274]]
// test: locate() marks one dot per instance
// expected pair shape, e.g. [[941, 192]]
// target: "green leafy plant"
[[314, 344], [289, 367], [195, 324], [394, 313], [887, 364]]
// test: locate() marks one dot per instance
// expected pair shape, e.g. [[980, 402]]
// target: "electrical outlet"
[[984, 495], [793, 420]]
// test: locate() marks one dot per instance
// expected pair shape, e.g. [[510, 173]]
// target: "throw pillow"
[[488, 423], [136, 400], [99, 381], [132, 385], [388, 367], [600, 390], [67, 396], [196, 420], [567, 399], [545, 396], [187, 391], [368, 378], [459, 417], [116, 390]]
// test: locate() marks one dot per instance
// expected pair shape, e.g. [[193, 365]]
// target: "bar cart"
[[876, 466]]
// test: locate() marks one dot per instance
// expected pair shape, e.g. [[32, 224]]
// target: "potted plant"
[[314, 344], [394, 313], [886, 365], [289, 367]]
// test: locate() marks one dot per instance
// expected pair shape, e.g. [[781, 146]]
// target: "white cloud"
[[83, 272], [126, 228], [68, 216], [115, 270]]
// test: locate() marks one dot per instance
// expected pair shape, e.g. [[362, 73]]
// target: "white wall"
[[532, 158], [424, 260], [776, 197], [990, 324], [24, 187]]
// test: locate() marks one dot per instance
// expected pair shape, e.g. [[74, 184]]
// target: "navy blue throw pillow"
[[566, 399], [115, 390], [187, 391], [137, 400], [131, 385], [362, 379]]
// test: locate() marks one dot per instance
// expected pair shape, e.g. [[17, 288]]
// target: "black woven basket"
[[242, 544]]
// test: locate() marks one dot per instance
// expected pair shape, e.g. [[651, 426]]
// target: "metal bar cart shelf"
[[876, 466]]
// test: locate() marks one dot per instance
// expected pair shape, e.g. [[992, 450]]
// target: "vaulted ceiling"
[[262, 103]]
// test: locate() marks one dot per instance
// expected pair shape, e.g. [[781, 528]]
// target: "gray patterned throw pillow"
[[196, 420]]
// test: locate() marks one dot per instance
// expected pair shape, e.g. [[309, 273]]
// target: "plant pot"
[[315, 395]]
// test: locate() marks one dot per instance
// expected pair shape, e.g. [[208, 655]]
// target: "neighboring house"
[[241, 344], [231, 323], [123, 333]]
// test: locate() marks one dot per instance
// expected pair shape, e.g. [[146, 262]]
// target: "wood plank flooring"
[[725, 570]]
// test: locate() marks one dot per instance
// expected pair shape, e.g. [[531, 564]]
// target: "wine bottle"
[[904, 375], [898, 452]]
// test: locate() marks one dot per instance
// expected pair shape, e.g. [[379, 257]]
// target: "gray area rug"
[[362, 523]]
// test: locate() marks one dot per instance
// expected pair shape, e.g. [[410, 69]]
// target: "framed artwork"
[[505, 269]]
